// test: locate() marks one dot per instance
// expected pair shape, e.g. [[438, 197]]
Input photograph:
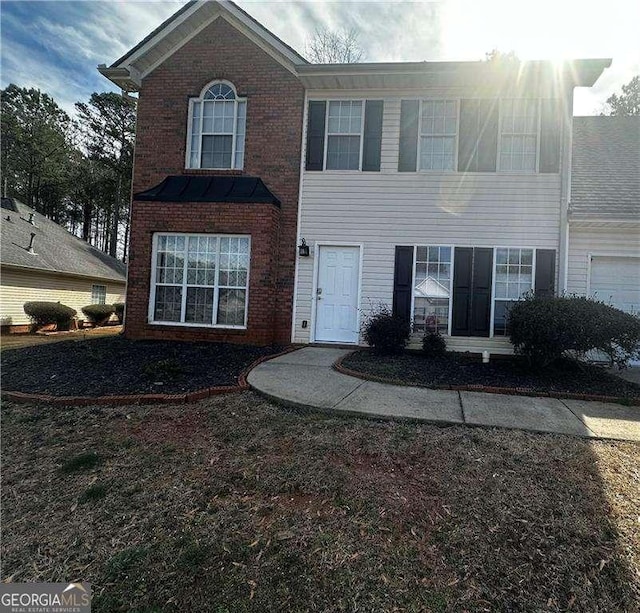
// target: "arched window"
[[217, 120]]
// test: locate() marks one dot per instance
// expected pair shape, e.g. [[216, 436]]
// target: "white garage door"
[[616, 281]]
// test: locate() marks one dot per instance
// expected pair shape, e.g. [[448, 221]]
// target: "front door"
[[337, 295]]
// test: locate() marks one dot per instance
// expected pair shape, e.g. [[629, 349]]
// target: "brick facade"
[[275, 101]]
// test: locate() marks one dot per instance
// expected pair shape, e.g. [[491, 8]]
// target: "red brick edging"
[[509, 391], [187, 397]]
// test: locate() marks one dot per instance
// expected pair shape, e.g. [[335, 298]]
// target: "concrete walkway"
[[305, 378]]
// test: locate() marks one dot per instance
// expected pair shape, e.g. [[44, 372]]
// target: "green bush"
[[546, 329], [433, 344], [98, 313], [386, 333], [118, 309], [45, 313]]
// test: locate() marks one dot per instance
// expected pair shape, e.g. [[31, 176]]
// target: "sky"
[[56, 45]]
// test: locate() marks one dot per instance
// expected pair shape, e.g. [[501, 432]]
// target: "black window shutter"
[[487, 135], [481, 299], [403, 282], [462, 288], [478, 136], [372, 135], [408, 156], [315, 135], [545, 272], [550, 133]]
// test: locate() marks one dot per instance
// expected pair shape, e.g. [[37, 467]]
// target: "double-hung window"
[[432, 289], [518, 135], [217, 127], [438, 133], [344, 134], [513, 278], [98, 294], [200, 279]]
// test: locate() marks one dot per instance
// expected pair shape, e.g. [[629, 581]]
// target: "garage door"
[[616, 281]]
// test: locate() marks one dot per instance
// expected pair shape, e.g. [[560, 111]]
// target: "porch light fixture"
[[303, 249]]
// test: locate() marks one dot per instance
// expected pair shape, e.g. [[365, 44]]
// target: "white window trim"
[[536, 170], [93, 286], [493, 283], [216, 286], [201, 100], [326, 134], [456, 137], [413, 283]]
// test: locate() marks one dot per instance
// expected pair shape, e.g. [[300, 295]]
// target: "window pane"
[[513, 278], [98, 294], [343, 153], [231, 307], [199, 307], [168, 304], [216, 151], [201, 260], [345, 117], [519, 134]]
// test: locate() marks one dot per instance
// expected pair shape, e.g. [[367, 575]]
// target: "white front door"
[[337, 295]]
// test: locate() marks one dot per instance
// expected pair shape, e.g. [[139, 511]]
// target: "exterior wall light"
[[303, 249]]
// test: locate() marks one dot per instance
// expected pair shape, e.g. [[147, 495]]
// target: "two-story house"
[[277, 201]]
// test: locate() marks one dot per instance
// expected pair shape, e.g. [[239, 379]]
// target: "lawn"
[[234, 504], [451, 369], [115, 365]]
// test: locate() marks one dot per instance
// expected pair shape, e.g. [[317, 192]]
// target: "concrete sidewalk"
[[305, 378]]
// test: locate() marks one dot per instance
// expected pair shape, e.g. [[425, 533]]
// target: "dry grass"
[[16, 341], [234, 504]]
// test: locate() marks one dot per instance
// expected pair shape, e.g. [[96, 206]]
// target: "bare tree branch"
[[335, 47]]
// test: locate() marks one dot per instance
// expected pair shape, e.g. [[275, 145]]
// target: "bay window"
[[217, 126], [200, 279]]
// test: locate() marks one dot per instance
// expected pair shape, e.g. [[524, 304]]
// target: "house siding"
[[597, 241], [272, 152], [20, 286], [383, 209]]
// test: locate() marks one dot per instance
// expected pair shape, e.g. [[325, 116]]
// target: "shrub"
[[433, 344], [98, 313], [545, 329], [118, 309], [386, 333], [45, 313]]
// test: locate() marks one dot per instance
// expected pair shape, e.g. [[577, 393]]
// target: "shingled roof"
[[55, 249], [605, 172]]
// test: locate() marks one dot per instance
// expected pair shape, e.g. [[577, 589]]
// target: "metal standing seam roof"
[[207, 188], [55, 249], [605, 169]]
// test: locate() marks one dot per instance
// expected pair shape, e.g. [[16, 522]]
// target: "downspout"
[[565, 193]]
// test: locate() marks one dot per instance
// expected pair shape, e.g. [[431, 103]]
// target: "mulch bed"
[[118, 366], [413, 368], [236, 505]]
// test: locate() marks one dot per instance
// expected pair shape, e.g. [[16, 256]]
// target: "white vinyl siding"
[[389, 208], [593, 241], [20, 286]]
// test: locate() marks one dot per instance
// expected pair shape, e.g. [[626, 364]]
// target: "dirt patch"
[[234, 504], [117, 366], [413, 368]]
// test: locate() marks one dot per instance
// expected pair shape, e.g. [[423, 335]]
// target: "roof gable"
[[128, 71], [54, 249]]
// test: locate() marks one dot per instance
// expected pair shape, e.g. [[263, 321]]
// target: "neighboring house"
[[40, 260], [440, 188], [604, 211]]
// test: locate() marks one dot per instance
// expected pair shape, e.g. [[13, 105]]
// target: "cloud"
[[56, 46]]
